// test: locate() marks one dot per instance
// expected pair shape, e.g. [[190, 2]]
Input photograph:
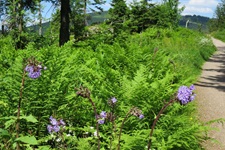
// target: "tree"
[[118, 15], [77, 19], [142, 16], [64, 22], [220, 15], [169, 14]]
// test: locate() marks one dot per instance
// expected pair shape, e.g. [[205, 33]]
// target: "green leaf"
[[28, 140], [44, 148], [9, 123], [4, 132], [29, 118]]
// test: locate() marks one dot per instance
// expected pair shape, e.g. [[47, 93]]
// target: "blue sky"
[[197, 7]]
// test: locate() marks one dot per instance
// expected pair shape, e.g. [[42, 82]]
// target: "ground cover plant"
[[219, 34], [95, 95]]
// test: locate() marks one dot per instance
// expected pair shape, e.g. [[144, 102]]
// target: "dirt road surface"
[[210, 90]]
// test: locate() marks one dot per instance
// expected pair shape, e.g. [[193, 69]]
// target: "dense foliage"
[[143, 70]]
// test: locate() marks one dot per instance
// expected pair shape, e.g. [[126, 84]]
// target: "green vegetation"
[[219, 34], [216, 25], [143, 70], [106, 86]]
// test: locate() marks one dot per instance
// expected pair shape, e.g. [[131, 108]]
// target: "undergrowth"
[[143, 70]]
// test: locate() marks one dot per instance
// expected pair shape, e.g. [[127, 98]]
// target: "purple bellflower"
[[34, 68], [55, 125], [103, 114], [185, 94], [101, 118], [141, 116], [114, 100]]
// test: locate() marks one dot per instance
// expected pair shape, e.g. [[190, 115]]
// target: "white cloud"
[[206, 3], [199, 7], [198, 10]]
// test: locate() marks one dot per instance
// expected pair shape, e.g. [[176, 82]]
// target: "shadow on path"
[[213, 73], [210, 90]]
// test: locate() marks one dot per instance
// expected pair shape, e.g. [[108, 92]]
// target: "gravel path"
[[210, 90]]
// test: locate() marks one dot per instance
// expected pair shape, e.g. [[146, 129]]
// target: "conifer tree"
[[118, 15], [142, 16]]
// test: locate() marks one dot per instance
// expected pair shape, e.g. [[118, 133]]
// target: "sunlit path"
[[211, 94]]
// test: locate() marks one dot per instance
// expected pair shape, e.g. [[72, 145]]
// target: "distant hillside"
[[195, 22], [97, 17]]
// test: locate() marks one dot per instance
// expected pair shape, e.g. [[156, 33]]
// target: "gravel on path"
[[210, 90]]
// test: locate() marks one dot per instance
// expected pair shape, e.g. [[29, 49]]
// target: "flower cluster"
[[185, 94], [34, 68], [102, 117], [55, 125], [137, 112]]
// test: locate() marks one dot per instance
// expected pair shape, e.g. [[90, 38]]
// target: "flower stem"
[[18, 109], [97, 126], [113, 123], [156, 119], [127, 115]]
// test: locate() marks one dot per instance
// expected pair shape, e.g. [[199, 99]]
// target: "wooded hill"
[[196, 22]]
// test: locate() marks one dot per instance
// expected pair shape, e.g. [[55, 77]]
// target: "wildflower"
[[101, 118], [34, 75], [114, 100], [137, 112], [141, 116], [53, 121], [185, 94], [34, 68], [103, 114], [55, 125], [49, 128], [101, 121], [61, 122], [56, 128]]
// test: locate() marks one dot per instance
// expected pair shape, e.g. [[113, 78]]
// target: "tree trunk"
[[20, 17], [64, 22], [85, 13], [3, 30], [40, 19]]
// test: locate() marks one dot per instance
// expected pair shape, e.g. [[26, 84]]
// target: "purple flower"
[[56, 128], [49, 128], [185, 94], [61, 122], [34, 75], [192, 87], [103, 114], [34, 71], [114, 100], [55, 125], [101, 121], [29, 68], [53, 121], [141, 116]]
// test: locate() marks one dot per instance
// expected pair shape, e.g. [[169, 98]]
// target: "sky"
[[192, 7]]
